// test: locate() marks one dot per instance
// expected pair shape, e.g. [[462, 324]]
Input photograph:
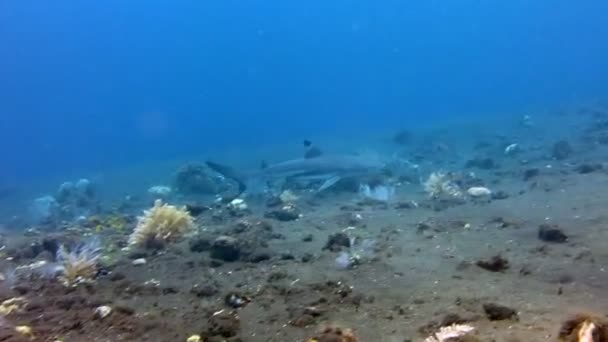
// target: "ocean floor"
[[514, 264]]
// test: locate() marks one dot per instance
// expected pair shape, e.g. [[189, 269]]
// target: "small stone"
[[336, 242], [139, 262], [285, 213], [531, 173], [496, 264], [479, 191], [551, 233], [103, 312], [481, 163], [497, 312], [588, 168], [500, 195], [194, 338], [226, 248], [561, 150]]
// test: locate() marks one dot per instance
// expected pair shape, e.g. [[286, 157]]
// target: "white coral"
[[162, 222], [446, 333], [438, 185]]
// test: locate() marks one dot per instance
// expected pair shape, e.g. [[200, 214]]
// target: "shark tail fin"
[[229, 173]]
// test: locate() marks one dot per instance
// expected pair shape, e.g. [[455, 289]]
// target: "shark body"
[[329, 169]]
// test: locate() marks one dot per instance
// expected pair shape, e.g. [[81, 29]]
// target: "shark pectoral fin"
[[329, 183]]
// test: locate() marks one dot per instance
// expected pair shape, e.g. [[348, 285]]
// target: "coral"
[[379, 193], [584, 328], [80, 264], [161, 223], [450, 332], [439, 185]]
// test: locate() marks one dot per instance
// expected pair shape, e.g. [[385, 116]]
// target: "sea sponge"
[[160, 224]]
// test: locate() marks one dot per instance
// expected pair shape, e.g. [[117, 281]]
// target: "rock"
[[531, 173], [199, 245], [479, 191], [196, 209], [561, 150], [195, 179], [588, 168], [224, 324], [497, 312], [139, 262], [102, 311], [500, 195], [402, 137], [205, 290], [335, 242], [481, 163], [307, 257], [285, 213], [259, 257], [307, 238], [551, 233], [226, 248], [496, 264]]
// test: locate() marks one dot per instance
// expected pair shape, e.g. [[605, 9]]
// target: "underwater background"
[[88, 87]]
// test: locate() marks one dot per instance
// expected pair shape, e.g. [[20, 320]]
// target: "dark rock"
[[196, 209], [286, 213], [51, 245], [287, 256], [117, 276], [137, 254], [497, 312], [307, 238], [306, 257], [313, 152], [496, 264], [303, 321], [551, 233], [226, 248], [259, 257], [336, 242], [402, 137], [531, 173], [588, 168], [500, 195], [199, 244], [225, 324], [274, 201], [481, 163], [195, 179], [205, 290], [561, 150]]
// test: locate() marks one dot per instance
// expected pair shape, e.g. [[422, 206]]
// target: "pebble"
[[103, 311], [138, 262]]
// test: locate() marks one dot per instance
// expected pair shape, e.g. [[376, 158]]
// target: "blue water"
[[91, 85]]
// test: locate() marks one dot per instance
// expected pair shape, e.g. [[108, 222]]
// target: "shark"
[[327, 168]]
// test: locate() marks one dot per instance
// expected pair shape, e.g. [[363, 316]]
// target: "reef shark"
[[329, 169]]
